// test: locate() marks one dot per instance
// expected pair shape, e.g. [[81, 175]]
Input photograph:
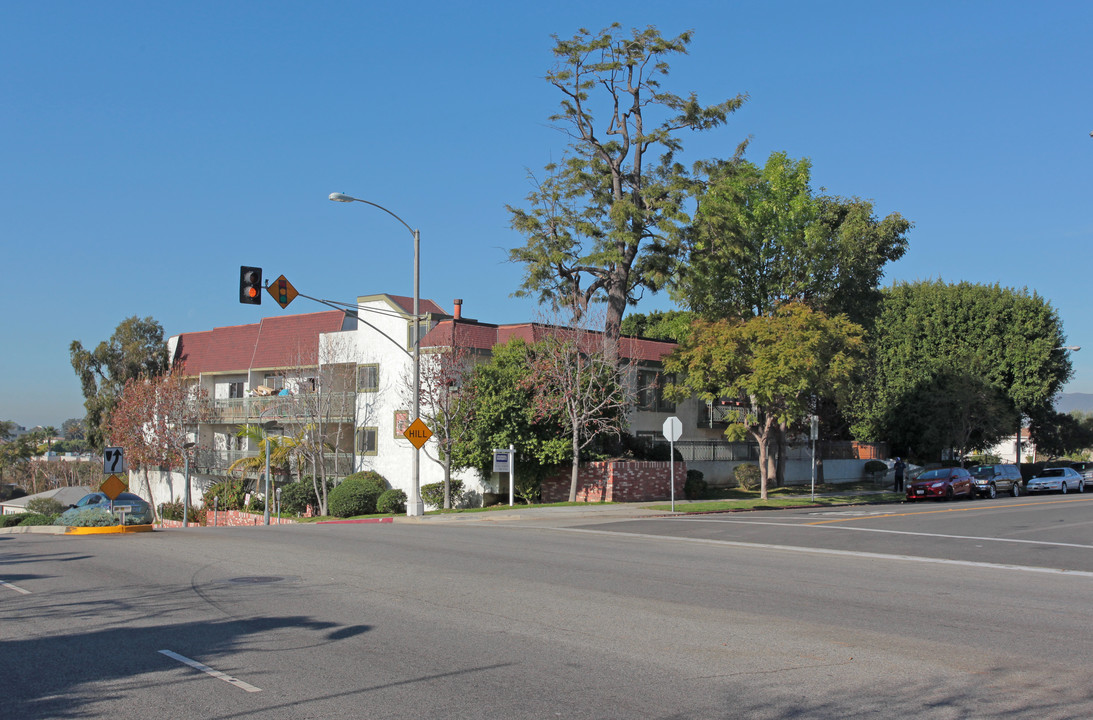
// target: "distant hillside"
[[1074, 401]]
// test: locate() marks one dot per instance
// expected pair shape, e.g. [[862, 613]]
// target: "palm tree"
[[281, 451]]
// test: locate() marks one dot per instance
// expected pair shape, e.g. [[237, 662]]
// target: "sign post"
[[505, 461], [814, 433], [673, 428]]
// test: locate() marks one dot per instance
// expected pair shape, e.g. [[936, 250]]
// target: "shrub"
[[230, 494], [257, 504], [45, 506], [747, 476], [875, 468], [91, 517], [391, 501], [34, 519], [296, 496], [433, 493], [695, 485], [12, 520], [357, 494], [173, 511]]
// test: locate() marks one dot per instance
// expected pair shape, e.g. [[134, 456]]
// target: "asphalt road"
[[960, 610]]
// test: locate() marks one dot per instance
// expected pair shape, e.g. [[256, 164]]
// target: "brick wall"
[[618, 481], [234, 518]]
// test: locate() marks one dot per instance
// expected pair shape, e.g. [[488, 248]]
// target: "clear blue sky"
[[148, 149]]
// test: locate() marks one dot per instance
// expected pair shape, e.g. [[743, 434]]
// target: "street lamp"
[[266, 427], [415, 506], [186, 504]]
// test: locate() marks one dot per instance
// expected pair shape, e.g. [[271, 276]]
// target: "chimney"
[[458, 303]]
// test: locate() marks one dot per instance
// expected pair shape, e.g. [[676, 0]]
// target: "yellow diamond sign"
[[113, 486], [418, 433]]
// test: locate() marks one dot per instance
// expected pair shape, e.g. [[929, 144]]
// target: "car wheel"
[[949, 493], [1063, 491], [972, 494], [1015, 490], [992, 491], [1081, 486]]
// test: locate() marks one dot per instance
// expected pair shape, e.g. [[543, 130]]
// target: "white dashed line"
[[16, 588], [215, 673]]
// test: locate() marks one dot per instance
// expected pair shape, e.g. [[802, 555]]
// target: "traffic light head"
[[250, 285]]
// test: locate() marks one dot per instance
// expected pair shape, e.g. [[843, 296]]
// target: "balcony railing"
[[304, 407], [217, 462]]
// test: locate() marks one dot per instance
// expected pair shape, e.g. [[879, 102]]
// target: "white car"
[[1059, 479]]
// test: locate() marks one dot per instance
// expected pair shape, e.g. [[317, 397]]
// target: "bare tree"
[[447, 400], [576, 380]]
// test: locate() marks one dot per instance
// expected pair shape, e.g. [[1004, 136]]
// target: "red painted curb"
[[355, 522]]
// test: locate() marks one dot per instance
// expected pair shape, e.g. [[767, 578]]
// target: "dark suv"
[[991, 479]]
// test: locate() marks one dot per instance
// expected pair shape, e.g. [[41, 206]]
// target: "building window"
[[367, 439], [274, 382], [651, 391], [235, 389], [368, 378]]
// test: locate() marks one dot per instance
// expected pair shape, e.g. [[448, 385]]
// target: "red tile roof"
[[483, 336], [406, 304], [284, 341]]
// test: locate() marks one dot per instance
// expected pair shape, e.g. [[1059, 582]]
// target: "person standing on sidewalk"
[[899, 467]]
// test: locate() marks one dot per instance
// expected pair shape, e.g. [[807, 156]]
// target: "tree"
[[1062, 434], [136, 349], [74, 429], [611, 211], [574, 381], [7, 429], [154, 418], [934, 339], [673, 325], [447, 398], [761, 237], [505, 415], [779, 362]]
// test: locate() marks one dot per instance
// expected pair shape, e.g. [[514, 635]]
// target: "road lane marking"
[[215, 673], [16, 588], [949, 510], [890, 532], [828, 551]]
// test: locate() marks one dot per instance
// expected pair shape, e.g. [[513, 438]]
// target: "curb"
[[109, 530], [354, 522]]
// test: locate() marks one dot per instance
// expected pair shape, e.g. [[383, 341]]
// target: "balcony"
[[217, 462], [300, 408]]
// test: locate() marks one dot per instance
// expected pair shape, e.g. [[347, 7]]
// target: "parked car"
[[139, 514], [1085, 469], [992, 479], [1059, 479], [942, 483]]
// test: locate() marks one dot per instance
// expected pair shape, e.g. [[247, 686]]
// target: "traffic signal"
[[250, 285]]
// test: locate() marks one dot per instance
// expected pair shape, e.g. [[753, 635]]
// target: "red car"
[[942, 483]]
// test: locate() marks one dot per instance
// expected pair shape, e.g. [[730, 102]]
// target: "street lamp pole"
[[415, 506], [186, 503]]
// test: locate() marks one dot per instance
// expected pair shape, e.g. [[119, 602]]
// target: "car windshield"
[[1053, 472], [983, 470], [935, 474]]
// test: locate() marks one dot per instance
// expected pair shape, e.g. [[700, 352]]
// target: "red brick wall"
[[234, 518], [618, 481]]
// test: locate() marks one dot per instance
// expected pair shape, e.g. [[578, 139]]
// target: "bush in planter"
[[433, 493], [695, 486], [296, 496], [33, 519], [91, 517], [230, 495], [357, 494], [747, 476], [45, 506], [391, 501]]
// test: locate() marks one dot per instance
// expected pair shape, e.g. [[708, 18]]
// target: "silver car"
[[1058, 479]]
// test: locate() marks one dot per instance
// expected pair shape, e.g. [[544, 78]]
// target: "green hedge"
[[433, 493], [695, 485], [391, 501], [357, 494]]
